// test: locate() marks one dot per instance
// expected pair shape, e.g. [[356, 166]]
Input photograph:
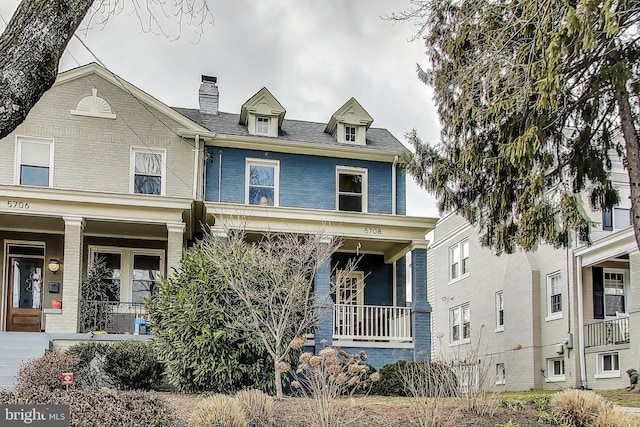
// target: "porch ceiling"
[[391, 235]]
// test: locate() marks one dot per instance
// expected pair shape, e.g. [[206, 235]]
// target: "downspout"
[[393, 185], [219, 176], [580, 328], [196, 168]]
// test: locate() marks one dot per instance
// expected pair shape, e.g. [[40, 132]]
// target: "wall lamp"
[[54, 265]]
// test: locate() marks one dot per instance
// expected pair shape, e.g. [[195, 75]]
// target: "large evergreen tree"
[[533, 97]]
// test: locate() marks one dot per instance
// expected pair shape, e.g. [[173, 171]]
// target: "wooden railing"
[[607, 332], [371, 322], [114, 317]]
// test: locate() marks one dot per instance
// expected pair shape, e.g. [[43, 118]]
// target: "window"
[[352, 189], [554, 296], [262, 125], [620, 216], [262, 182], [499, 311], [349, 134], [555, 369], [459, 260], [500, 374], [134, 273], [460, 321], [608, 365], [35, 159], [148, 169], [613, 293], [350, 288]]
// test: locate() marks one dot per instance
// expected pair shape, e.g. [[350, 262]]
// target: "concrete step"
[[17, 348]]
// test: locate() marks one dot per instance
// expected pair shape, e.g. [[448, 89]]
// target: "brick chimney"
[[209, 95]]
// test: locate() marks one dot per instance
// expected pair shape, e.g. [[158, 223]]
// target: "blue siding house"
[[341, 175]]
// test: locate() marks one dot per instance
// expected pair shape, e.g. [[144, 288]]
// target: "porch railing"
[[371, 322], [114, 317], [607, 332]]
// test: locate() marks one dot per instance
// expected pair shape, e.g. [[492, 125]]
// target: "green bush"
[[133, 365], [404, 378], [192, 337], [45, 372], [98, 407], [541, 402], [545, 417], [511, 403]]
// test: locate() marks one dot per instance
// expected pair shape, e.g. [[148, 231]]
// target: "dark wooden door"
[[24, 304]]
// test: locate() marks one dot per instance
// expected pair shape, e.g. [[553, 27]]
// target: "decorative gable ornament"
[[262, 114], [93, 106], [350, 123]]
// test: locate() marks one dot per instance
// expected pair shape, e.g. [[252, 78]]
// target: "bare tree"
[[273, 278], [38, 33]]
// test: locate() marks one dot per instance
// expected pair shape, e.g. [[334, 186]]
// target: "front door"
[[25, 294]]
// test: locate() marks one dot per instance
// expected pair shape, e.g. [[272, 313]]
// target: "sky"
[[311, 55]]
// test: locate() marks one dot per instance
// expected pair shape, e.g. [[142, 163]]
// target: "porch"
[[607, 332], [377, 323], [114, 317]]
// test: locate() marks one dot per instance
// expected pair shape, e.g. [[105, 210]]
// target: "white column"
[[175, 245], [67, 321]]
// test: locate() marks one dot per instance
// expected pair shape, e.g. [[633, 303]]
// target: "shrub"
[[192, 337], [218, 411], [541, 402], [98, 407], [512, 404], [436, 378], [617, 417], [391, 382], [96, 288], [545, 417], [91, 356], [46, 371], [578, 408], [257, 406], [133, 365]]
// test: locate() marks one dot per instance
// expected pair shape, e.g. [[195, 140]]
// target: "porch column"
[[175, 245], [401, 282], [322, 289], [67, 321], [420, 308]]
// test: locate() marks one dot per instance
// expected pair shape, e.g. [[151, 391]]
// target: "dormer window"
[[349, 134], [262, 125]]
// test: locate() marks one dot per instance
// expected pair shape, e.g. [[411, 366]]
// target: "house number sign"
[[17, 204], [372, 230]]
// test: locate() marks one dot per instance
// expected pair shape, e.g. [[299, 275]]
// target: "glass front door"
[[25, 294]]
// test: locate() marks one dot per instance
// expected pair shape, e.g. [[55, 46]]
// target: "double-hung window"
[[500, 311], [554, 296], [262, 125], [460, 324], [459, 260], [262, 182], [351, 189], [148, 169], [34, 162], [613, 292], [349, 134], [620, 215], [608, 365]]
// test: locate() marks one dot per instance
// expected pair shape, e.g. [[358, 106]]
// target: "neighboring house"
[[100, 169], [538, 320]]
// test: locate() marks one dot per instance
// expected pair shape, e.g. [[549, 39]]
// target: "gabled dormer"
[[262, 114], [350, 123]]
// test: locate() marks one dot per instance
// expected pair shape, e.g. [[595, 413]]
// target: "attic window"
[[349, 134], [262, 125]]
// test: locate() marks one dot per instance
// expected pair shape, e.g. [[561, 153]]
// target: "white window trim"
[[600, 372], [257, 119], [126, 258], [276, 178], [625, 288], [461, 276], [504, 375], [558, 315], [359, 276], [132, 169], [361, 137], [462, 340], [551, 377], [365, 185], [18, 157], [499, 327]]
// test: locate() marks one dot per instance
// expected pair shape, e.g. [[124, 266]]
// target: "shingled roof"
[[379, 140]]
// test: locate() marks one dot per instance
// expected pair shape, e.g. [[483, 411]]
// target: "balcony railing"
[[113, 317], [371, 322], [607, 332]]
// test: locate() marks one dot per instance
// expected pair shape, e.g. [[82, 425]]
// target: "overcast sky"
[[312, 55]]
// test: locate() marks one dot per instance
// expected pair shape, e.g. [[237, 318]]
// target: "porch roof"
[[618, 243], [391, 235]]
